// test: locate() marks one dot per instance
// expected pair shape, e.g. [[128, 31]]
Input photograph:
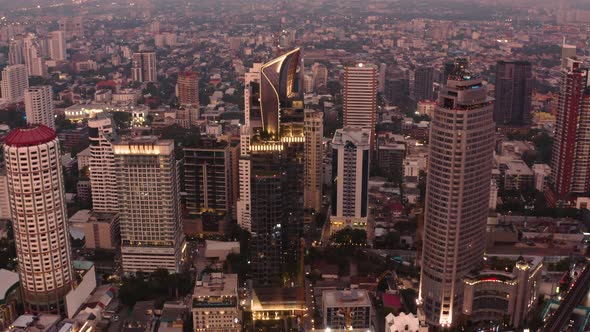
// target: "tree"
[[349, 237], [392, 240], [122, 119]]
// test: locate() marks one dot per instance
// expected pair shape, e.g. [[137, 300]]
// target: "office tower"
[[37, 198], [14, 83], [15, 52], [144, 67], [397, 90], [571, 148], [457, 194], [314, 134], [5, 213], [149, 204], [514, 88], [73, 27], [272, 169], [320, 75], [567, 51], [57, 45], [187, 89], [454, 66], [39, 105], [350, 178], [33, 57], [208, 185], [382, 75], [360, 97], [424, 83], [103, 175]]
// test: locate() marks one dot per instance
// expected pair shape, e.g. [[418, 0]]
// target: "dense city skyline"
[[294, 165]]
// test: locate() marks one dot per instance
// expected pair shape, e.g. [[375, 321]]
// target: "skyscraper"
[[187, 89], [33, 57], [314, 134], [424, 83], [570, 159], [143, 67], [208, 185], [149, 200], [457, 194], [103, 175], [382, 76], [37, 198], [320, 75], [5, 213], [567, 51], [272, 169], [15, 52], [360, 97], [14, 83], [514, 88], [73, 27], [350, 178], [39, 105], [57, 45]]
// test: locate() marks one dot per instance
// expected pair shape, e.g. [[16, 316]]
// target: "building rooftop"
[[22, 137], [346, 298], [354, 135], [8, 281], [401, 322], [216, 289], [34, 323]]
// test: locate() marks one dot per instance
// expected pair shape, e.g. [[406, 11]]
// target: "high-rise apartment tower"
[[457, 194], [38, 204]]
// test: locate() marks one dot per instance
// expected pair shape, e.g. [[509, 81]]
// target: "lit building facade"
[[457, 194], [350, 178], [360, 97], [493, 295], [314, 134], [215, 306], [272, 168], [37, 201], [149, 214]]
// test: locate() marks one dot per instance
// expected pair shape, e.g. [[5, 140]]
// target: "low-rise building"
[[494, 293], [35, 323], [514, 174], [172, 317], [9, 296], [404, 323], [215, 306], [541, 174], [345, 309], [101, 229]]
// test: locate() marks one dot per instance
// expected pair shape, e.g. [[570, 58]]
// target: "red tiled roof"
[[392, 301], [31, 136]]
